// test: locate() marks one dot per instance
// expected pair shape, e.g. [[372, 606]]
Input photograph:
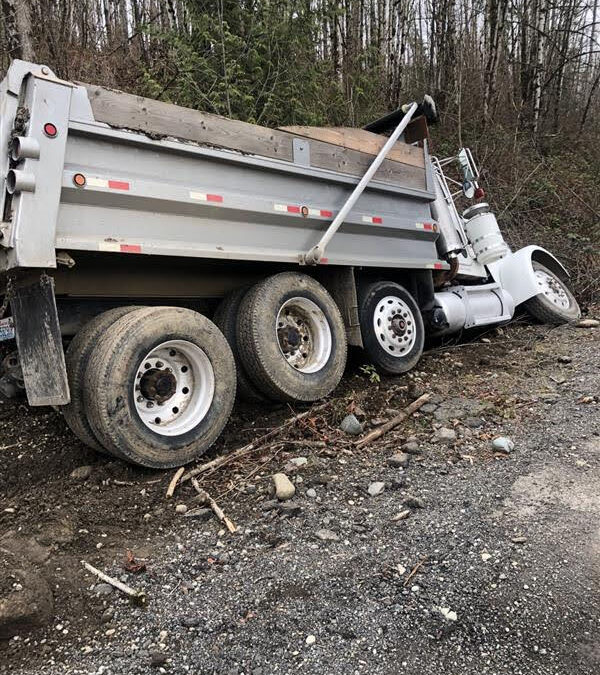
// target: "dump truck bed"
[[137, 176]]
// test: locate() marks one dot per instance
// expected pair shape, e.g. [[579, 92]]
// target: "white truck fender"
[[515, 272]]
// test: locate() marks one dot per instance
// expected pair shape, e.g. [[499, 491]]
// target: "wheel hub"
[[158, 385], [394, 326], [303, 335], [553, 289]]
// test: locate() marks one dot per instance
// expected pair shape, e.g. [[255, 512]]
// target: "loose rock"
[[412, 448], [400, 459], [376, 488], [103, 589], [351, 425], [311, 493], [413, 502], [284, 488], [588, 323], [503, 444], [181, 508], [445, 435], [82, 472], [326, 535]]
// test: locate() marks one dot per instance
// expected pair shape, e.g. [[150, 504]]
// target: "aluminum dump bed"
[[130, 175]]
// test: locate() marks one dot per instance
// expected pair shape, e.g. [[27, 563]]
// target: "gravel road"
[[468, 562]]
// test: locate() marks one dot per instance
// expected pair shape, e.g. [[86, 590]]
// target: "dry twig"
[[394, 422], [137, 596], [214, 506], [174, 481]]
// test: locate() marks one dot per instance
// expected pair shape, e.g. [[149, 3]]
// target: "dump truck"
[[155, 260]]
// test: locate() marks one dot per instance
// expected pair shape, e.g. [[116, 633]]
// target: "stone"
[[310, 640], [107, 615], [284, 488], [429, 408], [473, 422], [311, 493], [412, 448], [445, 436], [564, 359], [190, 621], [588, 323], [351, 425], [519, 539], [25, 547], [181, 508], [157, 659], [378, 421], [82, 472], [413, 502], [448, 614], [289, 508], [326, 535], [376, 488], [485, 556], [103, 589], [402, 515], [503, 444], [399, 460], [299, 461], [26, 600]]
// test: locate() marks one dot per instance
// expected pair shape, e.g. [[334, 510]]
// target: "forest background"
[[516, 80]]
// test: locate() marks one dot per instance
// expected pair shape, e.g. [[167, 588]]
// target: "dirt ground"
[[494, 566]]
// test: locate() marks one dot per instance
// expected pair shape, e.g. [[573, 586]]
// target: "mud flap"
[[39, 342]]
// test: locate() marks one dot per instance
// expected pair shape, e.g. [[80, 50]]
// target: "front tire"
[[160, 386], [392, 327], [554, 304], [291, 338]]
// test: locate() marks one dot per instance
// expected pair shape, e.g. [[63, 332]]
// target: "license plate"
[[7, 329]]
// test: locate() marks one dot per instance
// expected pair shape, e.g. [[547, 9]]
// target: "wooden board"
[[158, 119], [361, 140]]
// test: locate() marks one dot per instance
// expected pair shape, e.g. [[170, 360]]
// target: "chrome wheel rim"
[[174, 387], [303, 335], [553, 289], [394, 325]]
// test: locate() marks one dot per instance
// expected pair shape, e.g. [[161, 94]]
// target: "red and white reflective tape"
[[435, 266], [303, 210], [425, 226], [117, 247], [107, 183], [374, 220], [206, 197]]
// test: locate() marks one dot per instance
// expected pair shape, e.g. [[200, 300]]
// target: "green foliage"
[[370, 372]]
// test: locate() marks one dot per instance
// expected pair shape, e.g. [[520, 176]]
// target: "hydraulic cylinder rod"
[[316, 254]]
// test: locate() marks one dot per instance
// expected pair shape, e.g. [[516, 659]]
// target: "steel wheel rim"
[[553, 289], [395, 326], [174, 387], [303, 335]]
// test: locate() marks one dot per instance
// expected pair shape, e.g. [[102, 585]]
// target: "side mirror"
[[467, 165], [468, 189]]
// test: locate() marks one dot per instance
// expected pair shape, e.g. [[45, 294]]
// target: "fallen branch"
[[136, 595], [214, 506], [174, 481], [394, 422], [256, 444]]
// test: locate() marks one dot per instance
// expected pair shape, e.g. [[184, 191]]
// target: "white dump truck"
[[181, 256]]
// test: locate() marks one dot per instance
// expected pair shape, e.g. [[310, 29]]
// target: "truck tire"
[[555, 304], [160, 386], [291, 338], [225, 318], [392, 327], [76, 358]]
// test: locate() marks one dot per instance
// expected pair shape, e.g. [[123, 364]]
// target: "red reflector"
[[377, 220], [428, 226], [438, 266], [79, 180], [118, 185], [324, 261], [326, 214], [479, 193], [293, 209], [131, 248], [50, 130], [214, 198]]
